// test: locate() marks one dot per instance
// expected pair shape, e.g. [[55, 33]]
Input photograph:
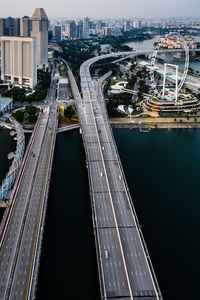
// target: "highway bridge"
[[67, 128], [22, 227], [125, 268]]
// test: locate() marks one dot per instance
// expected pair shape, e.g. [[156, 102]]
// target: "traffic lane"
[[23, 266], [104, 212], [113, 268], [99, 183], [16, 221], [122, 210], [137, 265]]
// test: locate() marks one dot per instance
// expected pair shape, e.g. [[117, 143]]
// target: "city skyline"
[[96, 9]]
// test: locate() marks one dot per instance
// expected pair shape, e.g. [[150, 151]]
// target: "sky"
[[103, 8]]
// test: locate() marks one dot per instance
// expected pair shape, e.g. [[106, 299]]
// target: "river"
[[148, 45]]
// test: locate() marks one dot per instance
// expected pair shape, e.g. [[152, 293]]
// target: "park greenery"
[[115, 100], [28, 114], [39, 93]]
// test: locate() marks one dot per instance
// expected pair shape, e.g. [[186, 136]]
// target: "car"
[[107, 254]]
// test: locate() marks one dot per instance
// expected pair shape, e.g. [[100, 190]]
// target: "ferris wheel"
[[187, 60]]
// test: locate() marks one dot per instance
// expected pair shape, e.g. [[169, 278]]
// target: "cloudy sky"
[[103, 8]]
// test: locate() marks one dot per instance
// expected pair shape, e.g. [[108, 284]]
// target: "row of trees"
[[29, 114], [19, 94]]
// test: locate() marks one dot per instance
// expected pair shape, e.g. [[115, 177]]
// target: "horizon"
[[152, 9]]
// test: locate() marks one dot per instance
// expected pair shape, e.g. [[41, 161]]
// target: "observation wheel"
[[187, 60]]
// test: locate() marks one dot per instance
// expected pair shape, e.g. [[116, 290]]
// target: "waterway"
[[148, 45]]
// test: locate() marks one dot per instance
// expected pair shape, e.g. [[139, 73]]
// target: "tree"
[[18, 94], [19, 116], [69, 112], [31, 110], [139, 94]]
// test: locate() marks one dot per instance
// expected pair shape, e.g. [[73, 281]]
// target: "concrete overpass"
[[67, 128], [125, 268], [22, 227]]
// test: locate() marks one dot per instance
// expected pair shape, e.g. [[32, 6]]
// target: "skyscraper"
[[80, 29], [16, 27], [73, 30], [26, 26], [127, 26], [86, 28], [18, 60], [58, 33], [2, 26], [39, 29], [99, 24], [9, 26], [108, 31], [67, 30]]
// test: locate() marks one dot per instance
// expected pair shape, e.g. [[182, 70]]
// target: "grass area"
[[66, 121]]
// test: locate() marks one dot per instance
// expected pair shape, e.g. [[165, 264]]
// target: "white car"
[[107, 254]]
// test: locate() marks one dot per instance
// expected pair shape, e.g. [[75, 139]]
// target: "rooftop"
[[39, 14], [4, 103]]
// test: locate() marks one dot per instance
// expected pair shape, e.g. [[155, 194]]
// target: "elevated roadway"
[[67, 128], [124, 264], [22, 226]]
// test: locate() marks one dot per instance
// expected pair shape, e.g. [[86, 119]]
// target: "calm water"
[[143, 45], [148, 45]]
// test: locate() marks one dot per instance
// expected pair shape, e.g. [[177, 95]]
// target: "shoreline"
[[155, 125]]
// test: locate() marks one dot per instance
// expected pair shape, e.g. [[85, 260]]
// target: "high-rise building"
[[16, 27], [127, 26], [137, 24], [39, 29], [73, 30], [108, 31], [86, 28], [2, 26], [9, 26], [80, 29], [67, 30], [18, 60], [58, 33], [26, 26], [99, 25]]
